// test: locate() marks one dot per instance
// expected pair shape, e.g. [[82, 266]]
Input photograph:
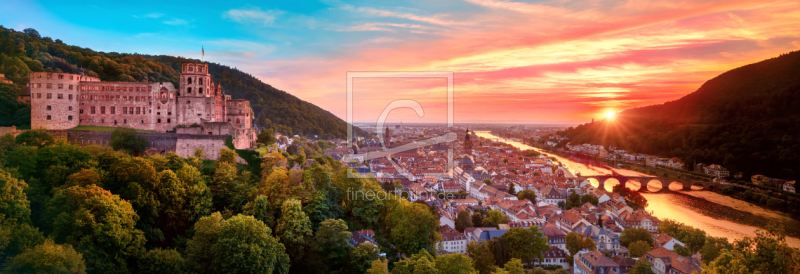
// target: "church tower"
[[467, 143], [387, 138]]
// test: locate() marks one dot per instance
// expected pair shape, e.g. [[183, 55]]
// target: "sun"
[[610, 115]]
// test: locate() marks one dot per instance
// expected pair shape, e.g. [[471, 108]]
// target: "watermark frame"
[[399, 104]]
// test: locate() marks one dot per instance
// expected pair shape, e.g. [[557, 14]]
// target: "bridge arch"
[[610, 183], [675, 186], [654, 185], [634, 184], [594, 182]]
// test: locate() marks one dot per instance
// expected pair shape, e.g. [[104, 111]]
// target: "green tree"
[[454, 263], [511, 189], [576, 242], [527, 194], [14, 204], [483, 256], [574, 200], [463, 220], [294, 227], [100, 224], [261, 209], [422, 262], [410, 226], [173, 197], [379, 266], [494, 218], [198, 248], [362, 257], [638, 248], [332, 243], [477, 219], [526, 244], [163, 261], [129, 140], [589, 198], [642, 267], [244, 245], [487, 181], [35, 137], [631, 235], [47, 258], [514, 266]]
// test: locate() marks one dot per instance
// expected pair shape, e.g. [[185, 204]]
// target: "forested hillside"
[[747, 119], [24, 52]]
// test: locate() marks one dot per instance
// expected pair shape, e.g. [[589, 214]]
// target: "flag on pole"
[[204, 51]]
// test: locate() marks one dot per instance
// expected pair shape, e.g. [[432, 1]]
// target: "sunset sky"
[[556, 61]]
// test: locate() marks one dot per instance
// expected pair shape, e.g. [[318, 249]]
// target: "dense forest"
[[746, 119], [24, 52]]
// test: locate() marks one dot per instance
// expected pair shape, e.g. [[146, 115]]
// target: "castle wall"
[[54, 99], [211, 145]]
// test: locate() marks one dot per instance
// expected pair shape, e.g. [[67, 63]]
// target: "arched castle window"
[[188, 80], [200, 91], [200, 81], [189, 90], [163, 95]]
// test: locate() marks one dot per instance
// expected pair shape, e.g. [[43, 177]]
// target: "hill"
[[747, 119], [24, 52]]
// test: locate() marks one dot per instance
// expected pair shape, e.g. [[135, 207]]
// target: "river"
[[717, 215]]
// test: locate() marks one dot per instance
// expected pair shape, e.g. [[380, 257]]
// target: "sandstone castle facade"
[[61, 101]]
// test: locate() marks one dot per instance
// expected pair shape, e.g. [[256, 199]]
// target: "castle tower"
[[55, 99], [196, 101]]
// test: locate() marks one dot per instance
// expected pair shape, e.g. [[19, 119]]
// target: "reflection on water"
[[718, 215]]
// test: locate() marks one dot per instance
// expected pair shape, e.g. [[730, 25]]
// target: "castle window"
[[114, 110], [48, 117], [169, 121], [138, 110], [142, 121], [124, 121], [60, 76], [102, 110], [137, 88], [70, 87], [201, 91], [70, 108], [60, 96], [93, 112], [49, 108], [69, 117], [38, 96], [82, 87], [71, 77], [49, 76], [49, 85], [159, 121], [49, 96], [38, 85], [171, 95], [188, 80], [200, 81], [81, 111], [70, 97], [189, 90], [61, 86]]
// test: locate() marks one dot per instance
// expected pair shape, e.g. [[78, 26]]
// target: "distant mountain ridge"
[[747, 119], [26, 51]]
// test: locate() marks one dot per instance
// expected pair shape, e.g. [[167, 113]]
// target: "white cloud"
[[176, 22], [253, 15]]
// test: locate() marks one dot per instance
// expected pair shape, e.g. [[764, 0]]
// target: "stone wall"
[[211, 145]]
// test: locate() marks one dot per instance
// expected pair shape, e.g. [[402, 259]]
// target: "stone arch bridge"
[[686, 184]]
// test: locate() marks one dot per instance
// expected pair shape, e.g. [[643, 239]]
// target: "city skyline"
[[549, 62]]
